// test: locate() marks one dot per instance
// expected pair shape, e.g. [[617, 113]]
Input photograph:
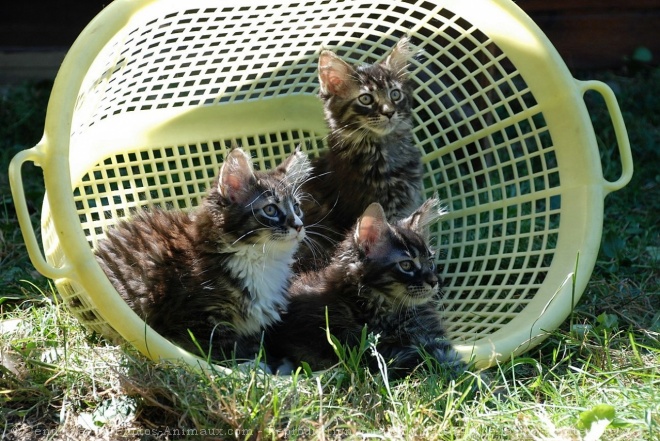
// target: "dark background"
[[589, 34]]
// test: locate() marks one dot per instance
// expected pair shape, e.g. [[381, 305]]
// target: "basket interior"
[[488, 151]]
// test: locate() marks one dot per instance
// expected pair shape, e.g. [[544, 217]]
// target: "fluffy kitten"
[[220, 271], [370, 156], [383, 276]]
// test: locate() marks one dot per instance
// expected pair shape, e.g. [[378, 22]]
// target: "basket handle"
[[16, 183], [619, 131]]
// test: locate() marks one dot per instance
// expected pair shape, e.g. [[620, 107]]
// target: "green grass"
[[59, 382], [22, 113]]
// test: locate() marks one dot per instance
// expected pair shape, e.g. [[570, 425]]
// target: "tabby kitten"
[[383, 276], [220, 271], [370, 156]]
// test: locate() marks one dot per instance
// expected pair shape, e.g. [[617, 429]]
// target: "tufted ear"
[[426, 215], [371, 227], [335, 75], [236, 176], [399, 58], [296, 167]]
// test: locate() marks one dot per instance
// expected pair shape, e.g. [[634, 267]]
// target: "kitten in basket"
[[370, 157], [221, 271], [383, 276]]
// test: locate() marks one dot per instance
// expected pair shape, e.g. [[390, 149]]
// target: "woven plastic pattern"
[[488, 151], [176, 84]]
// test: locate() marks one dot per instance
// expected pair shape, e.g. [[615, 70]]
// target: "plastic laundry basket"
[[153, 93]]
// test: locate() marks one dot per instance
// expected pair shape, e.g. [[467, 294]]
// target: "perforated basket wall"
[[153, 93]]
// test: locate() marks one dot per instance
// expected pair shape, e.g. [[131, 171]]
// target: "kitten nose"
[[431, 279], [296, 224], [387, 110]]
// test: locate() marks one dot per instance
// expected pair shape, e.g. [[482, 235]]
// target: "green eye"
[[395, 95], [366, 99], [406, 265], [270, 210]]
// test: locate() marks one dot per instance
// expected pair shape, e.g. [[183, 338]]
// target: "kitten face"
[[279, 215], [402, 268], [398, 263], [380, 105], [261, 209], [366, 101]]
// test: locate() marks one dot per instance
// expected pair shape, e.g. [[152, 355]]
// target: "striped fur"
[[371, 156], [221, 271], [382, 276]]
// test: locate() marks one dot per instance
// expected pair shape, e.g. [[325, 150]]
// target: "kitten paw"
[[286, 368]]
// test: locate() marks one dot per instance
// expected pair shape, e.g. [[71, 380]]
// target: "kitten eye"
[[270, 210], [296, 209], [406, 265], [395, 95], [366, 99]]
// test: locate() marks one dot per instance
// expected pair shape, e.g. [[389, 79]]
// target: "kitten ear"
[[296, 167], [236, 175], [371, 227], [426, 215], [334, 74], [399, 58]]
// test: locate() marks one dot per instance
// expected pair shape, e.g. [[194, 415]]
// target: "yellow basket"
[[153, 92]]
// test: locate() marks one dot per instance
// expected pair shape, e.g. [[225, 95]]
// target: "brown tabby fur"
[[219, 272], [382, 276], [370, 156]]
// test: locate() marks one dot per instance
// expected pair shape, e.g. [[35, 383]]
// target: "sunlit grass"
[[56, 378], [596, 377]]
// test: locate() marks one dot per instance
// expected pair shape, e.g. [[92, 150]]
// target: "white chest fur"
[[265, 272]]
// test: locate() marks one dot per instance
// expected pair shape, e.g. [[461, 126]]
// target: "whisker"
[[322, 227], [320, 221], [315, 249], [246, 234], [249, 204], [297, 190]]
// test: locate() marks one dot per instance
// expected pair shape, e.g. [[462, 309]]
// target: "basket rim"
[[547, 75]]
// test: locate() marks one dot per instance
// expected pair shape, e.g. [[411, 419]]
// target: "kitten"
[[383, 276], [370, 155], [220, 271]]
